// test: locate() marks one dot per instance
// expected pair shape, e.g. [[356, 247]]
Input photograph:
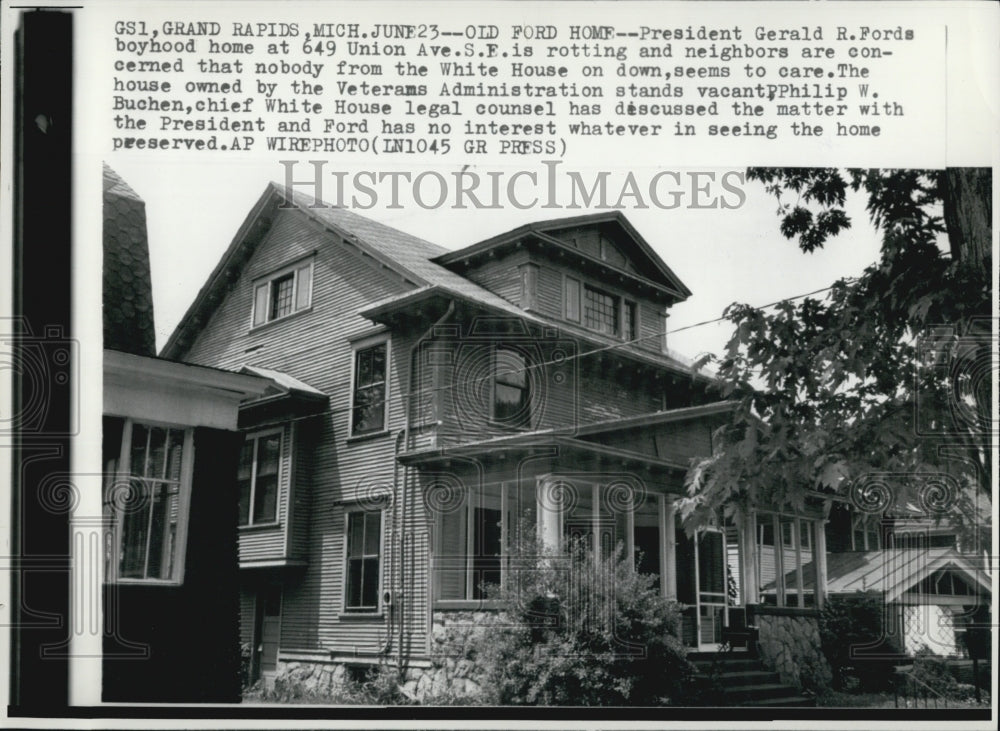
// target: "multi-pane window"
[[511, 388], [368, 412], [600, 310], [282, 294], [258, 479], [148, 515], [364, 549]]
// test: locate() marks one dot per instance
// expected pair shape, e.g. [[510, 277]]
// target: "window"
[[600, 310], [369, 404], [630, 327], [282, 294], [258, 479], [147, 504], [511, 388], [865, 532], [470, 549], [364, 550]]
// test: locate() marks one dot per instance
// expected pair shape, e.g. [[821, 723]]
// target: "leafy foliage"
[[578, 631], [849, 629], [882, 382]]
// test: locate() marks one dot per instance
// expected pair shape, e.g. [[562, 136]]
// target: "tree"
[[883, 384]]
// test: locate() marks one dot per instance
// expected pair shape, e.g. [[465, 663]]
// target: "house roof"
[[284, 382], [127, 289], [542, 228], [891, 571], [413, 258]]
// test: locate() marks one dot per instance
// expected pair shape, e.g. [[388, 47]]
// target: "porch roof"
[[891, 571], [538, 441]]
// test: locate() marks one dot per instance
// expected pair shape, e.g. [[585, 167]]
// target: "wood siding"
[[332, 471]]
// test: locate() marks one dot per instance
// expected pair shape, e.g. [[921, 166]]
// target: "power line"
[[542, 364]]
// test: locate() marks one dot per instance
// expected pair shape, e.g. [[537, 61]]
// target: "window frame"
[[123, 474], [358, 347], [868, 525], [256, 437], [495, 380], [294, 268], [475, 499], [346, 566]]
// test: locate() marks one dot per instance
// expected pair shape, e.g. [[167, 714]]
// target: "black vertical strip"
[[41, 417]]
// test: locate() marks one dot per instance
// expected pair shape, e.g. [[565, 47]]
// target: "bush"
[[857, 623], [578, 631]]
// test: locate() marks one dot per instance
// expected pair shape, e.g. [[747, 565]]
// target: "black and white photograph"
[[566, 363]]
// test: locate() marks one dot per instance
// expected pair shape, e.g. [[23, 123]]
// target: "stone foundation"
[[789, 643], [451, 672]]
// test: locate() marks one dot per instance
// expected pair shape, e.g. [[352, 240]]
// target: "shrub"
[[379, 687], [857, 623], [578, 631]]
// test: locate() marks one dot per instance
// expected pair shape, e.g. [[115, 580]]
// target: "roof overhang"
[[144, 387], [286, 397]]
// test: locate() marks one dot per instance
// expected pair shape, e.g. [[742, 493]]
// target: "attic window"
[[283, 293], [601, 310]]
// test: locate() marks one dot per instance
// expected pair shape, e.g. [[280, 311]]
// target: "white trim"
[[356, 347], [256, 436], [355, 507], [267, 280]]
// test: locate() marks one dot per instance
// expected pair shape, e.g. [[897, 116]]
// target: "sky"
[[194, 209]]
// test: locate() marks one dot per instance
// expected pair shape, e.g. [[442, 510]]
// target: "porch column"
[[549, 514], [668, 547], [748, 555], [819, 557]]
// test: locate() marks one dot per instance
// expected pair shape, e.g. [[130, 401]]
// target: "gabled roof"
[[412, 258], [652, 263], [891, 571]]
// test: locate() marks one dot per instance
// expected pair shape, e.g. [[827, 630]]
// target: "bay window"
[[258, 476]]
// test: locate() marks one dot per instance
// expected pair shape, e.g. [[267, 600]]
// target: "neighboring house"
[[170, 456], [431, 402]]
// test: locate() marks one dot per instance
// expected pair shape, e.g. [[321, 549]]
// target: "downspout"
[[406, 439]]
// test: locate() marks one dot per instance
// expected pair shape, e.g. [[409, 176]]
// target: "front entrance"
[[267, 631], [701, 584]]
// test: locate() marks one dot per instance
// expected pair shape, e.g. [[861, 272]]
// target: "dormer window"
[[601, 310], [282, 293]]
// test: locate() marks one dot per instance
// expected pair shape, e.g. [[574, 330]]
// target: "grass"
[[835, 699]]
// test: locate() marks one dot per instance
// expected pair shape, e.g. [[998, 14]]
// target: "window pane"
[[364, 377], [268, 453], [373, 522], [137, 460], [135, 526], [304, 287], [159, 540], [354, 569], [265, 498], [355, 534], [175, 449], [486, 561], [281, 295], [369, 588], [157, 453], [511, 368], [509, 402], [369, 409]]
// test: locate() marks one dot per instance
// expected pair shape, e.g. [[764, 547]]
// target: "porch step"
[[740, 679]]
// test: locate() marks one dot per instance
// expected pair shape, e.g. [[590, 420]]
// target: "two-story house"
[[428, 404]]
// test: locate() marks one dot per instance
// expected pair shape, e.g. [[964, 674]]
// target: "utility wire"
[[553, 362]]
